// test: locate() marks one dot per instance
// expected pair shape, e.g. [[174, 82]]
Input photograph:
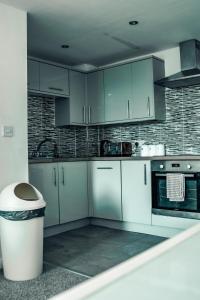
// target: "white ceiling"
[[98, 31]]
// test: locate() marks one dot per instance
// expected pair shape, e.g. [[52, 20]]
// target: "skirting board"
[[53, 230], [134, 227]]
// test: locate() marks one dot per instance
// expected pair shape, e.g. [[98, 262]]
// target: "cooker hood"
[[190, 67]]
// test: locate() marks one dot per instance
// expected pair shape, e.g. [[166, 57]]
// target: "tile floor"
[[74, 256], [92, 249]]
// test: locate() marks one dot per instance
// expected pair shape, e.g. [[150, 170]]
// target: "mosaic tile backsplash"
[[180, 132]]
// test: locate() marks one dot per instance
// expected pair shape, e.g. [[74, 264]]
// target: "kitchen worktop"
[[170, 270], [167, 157]]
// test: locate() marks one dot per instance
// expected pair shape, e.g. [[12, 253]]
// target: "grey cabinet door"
[[78, 113], [136, 191], [95, 98], [45, 178], [105, 189], [54, 79], [73, 191], [33, 75], [118, 93], [142, 105]]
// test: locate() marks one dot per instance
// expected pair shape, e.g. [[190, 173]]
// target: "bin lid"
[[21, 196]]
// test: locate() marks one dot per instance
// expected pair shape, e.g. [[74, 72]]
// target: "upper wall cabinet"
[[53, 79], [78, 113], [121, 94], [148, 101], [118, 93], [47, 79], [33, 75], [95, 98], [73, 111]]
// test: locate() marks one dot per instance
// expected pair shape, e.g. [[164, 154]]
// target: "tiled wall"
[[72, 141], [180, 132]]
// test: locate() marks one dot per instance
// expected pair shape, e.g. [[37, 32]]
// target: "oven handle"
[[164, 174]]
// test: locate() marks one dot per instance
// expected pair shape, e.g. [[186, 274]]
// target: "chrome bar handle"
[[105, 168], [55, 179], [63, 176], [165, 175], [145, 174], [89, 114], [55, 89], [148, 106], [128, 109], [84, 118]]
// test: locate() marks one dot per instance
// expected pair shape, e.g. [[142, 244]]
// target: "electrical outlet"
[[140, 143]]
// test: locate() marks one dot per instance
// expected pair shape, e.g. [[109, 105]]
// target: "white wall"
[[172, 60], [13, 95]]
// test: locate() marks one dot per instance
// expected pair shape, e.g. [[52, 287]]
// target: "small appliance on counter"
[[153, 150], [108, 148]]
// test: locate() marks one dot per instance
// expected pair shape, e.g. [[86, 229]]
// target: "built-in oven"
[[189, 207]]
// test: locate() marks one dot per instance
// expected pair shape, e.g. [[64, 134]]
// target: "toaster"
[[108, 148]]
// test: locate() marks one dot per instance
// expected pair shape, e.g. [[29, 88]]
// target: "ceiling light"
[[134, 22], [84, 67], [64, 46]]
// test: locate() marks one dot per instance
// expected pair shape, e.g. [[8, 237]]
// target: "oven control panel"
[[175, 166]]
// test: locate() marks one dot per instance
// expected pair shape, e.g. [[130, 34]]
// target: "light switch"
[[7, 131]]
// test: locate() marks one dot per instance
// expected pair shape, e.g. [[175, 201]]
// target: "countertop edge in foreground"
[[97, 284]]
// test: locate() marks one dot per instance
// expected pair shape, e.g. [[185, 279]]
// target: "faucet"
[[55, 149]]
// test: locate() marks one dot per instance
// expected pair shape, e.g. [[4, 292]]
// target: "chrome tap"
[[55, 148]]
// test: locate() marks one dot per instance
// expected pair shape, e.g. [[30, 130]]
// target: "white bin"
[[21, 240]]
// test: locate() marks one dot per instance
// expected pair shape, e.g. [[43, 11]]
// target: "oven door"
[[191, 202]]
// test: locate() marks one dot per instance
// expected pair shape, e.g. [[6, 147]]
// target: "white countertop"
[[170, 270]]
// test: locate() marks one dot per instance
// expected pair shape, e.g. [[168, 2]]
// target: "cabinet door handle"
[[89, 114], [145, 174], [104, 168], [148, 107], [55, 179], [84, 117], [63, 176], [128, 109], [55, 89]]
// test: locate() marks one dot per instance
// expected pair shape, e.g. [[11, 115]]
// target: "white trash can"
[[21, 231]]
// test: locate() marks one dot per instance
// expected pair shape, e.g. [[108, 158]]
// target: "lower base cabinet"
[[45, 178], [73, 191], [116, 190], [105, 189], [136, 191], [64, 188]]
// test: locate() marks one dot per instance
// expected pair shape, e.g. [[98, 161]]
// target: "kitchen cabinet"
[[64, 188], [136, 191], [78, 114], [54, 79], [118, 93], [73, 191], [105, 189], [33, 75], [73, 110], [95, 98], [148, 99], [45, 178]]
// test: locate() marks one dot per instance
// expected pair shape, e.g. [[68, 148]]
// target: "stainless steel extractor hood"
[[190, 67]]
